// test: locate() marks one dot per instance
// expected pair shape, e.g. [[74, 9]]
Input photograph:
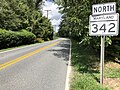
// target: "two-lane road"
[[37, 67]]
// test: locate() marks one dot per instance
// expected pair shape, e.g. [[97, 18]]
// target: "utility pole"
[[47, 12]]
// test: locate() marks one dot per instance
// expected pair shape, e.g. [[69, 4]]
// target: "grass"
[[40, 41], [112, 72], [55, 37], [85, 64], [112, 75], [10, 48], [85, 82], [112, 69]]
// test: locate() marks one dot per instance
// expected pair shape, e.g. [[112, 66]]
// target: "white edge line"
[[17, 48], [67, 84]]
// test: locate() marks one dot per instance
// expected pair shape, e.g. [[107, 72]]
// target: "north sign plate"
[[105, 8]]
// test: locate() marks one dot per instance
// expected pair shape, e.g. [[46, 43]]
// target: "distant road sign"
[[106, 8], [104, 25]]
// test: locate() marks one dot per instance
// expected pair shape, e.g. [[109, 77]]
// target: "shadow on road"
[[62, 50]]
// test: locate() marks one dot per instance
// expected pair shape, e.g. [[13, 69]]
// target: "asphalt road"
[[37, 67]]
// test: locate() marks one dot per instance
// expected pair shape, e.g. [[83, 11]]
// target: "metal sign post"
[[102, 59]]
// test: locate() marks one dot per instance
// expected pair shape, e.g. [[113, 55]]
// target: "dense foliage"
[[16, 15], [75, 22], [11, 38]]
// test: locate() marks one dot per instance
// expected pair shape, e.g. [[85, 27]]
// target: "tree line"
[[22, 20], [75, 24]]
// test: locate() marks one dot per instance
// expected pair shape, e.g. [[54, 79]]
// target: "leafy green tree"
[[16, 15], [75, 22]]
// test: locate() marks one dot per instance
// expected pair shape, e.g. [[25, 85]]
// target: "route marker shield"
[[104, 21], [104, 25]]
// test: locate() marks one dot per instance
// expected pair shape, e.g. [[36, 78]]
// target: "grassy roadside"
[[85, 73], [40, 41], [15, 47]]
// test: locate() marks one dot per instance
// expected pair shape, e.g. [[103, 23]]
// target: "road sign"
[[105, 8], [103, 22], [104, 25]]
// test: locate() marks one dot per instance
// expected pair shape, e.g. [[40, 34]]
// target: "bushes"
[[16, 15], [10, 38], [39, 40]]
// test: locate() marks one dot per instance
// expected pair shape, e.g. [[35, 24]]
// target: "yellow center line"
[[11, 62]]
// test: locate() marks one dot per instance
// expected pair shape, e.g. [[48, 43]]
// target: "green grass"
[[112, 72], [85, 82], [11, 48], [55, 37], [15, 47], [85, 64]]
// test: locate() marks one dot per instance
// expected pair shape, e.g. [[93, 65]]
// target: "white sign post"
[[104, 21]]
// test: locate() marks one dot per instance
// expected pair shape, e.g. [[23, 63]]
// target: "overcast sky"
[[53, 15]]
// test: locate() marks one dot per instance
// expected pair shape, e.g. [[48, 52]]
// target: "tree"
[[75, 21], [23, 14]]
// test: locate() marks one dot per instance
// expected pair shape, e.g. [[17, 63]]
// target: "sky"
[[53, 15]]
